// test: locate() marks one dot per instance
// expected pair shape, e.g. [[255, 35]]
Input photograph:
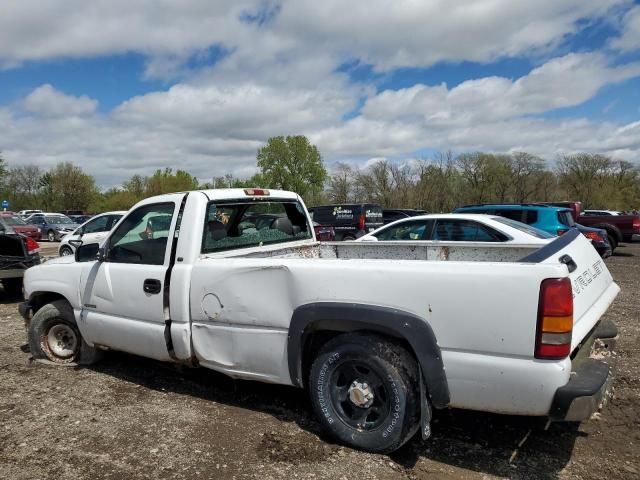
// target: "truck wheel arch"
[[313, 318], [37, 300], [611, 230]]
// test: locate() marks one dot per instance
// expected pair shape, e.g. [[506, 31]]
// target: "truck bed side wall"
[[242, 307]]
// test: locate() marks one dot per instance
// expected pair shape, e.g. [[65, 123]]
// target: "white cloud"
[[561, 82], [629, 40], [281, 77], [47, 101], [385, 33]]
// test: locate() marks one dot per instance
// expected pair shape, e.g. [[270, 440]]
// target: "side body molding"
[[348, 317]]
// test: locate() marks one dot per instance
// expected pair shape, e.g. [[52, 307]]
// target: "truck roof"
[[232, 194]]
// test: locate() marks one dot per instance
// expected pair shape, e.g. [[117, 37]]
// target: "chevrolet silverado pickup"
[[380, 335]]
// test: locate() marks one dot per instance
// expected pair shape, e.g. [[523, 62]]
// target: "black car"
[[392, 214], [349, 221]]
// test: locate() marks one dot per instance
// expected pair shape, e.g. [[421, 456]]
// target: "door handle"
[[152, 285]]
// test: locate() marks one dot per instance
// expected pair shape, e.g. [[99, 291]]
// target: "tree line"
[[437, 184]]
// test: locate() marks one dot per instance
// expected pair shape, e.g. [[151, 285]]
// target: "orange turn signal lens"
[[557, 324]]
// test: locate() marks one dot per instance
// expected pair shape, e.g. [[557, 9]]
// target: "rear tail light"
[[595, 236], [562, 231], [636, 223], [32, 246], [256, 191], [555, 319], [361, 222]]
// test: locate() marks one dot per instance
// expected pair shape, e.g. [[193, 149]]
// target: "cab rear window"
[[233, 225]]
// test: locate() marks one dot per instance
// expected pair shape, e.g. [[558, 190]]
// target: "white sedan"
[[459, 227], [93, 230]]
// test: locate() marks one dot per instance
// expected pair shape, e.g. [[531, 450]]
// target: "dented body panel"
[[232, 310]]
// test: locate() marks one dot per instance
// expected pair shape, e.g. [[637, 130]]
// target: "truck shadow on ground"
[[474, 441]]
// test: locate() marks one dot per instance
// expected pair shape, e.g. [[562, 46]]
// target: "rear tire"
[[51, 236], [12, 286], [54, 336], [365, 392], [613, 242]]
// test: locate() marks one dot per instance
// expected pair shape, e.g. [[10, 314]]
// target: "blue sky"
[[201, 86]]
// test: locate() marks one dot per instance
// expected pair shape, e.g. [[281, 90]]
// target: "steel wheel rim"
[[367, 416], [62, 341]]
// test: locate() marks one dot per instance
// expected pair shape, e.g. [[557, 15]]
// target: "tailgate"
[[593, 285]]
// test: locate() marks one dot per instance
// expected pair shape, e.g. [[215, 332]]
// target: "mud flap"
[[425, 409]]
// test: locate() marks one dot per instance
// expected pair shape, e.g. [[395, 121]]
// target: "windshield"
[[235, 225], [58, 220], [13, 220], [523, 227]]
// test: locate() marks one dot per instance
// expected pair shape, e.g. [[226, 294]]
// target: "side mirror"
[[86, 253]]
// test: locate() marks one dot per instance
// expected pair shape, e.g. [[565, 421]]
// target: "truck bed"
[[442, 251]]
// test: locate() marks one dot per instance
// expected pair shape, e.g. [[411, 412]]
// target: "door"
[[123, 295]]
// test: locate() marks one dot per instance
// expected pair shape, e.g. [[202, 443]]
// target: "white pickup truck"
[[379, 334]]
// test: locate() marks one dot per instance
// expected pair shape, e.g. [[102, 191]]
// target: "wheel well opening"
[[316, 338], [40, 299]]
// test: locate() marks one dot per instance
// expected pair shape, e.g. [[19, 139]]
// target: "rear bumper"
[[635, 237], [592, 374]]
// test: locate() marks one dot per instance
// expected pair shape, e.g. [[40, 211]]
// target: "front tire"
[[65, 251], [51, 236], [365, 392], [54, 336]]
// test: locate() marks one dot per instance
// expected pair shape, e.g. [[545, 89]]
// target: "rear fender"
[[348, 317]]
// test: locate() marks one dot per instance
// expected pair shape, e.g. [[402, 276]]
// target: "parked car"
[[92, 231], [378, 342], [392, 214], [460, 227], [27, 213], [53, 226], [349, 221], [20, 226], [620, 228], [551, 219], [17, 254]]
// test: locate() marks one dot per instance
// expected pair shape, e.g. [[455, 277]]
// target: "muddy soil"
[[131, 418]]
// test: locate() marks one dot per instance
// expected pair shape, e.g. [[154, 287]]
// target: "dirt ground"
[[131, 418]]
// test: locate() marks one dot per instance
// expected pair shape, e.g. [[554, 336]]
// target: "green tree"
[[292, 163], [22, 186], [67, 187], [165, 181]]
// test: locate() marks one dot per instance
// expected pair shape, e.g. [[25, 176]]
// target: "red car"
[[18, 225]]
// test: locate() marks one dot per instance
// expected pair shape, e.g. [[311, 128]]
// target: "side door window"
[[413, 230], [96, 225], [142, 237], [450, 230]]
